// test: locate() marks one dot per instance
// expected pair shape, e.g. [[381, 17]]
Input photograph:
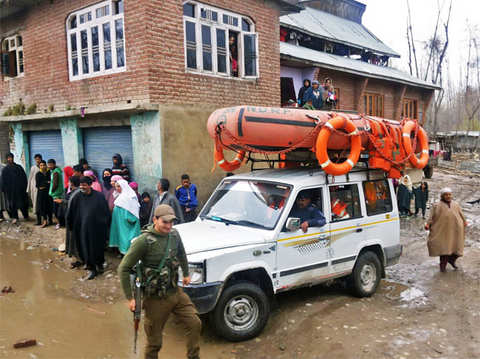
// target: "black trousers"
[[190, 215], [13, 212]]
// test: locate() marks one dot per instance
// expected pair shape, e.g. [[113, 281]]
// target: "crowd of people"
[[97, 211], [312, 96], [406, 192]]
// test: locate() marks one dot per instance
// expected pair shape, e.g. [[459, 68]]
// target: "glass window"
[[84, 45], [245, 25], [377, 197], [118, 7], [107, 47], [207, 47], [73, 22], [344, 202], [103, 11], [250, 54], [191, 45], [19, 41], [20, 61], [221, 51], [95, 49], [73, 43], [215, 41], [247, 203], [119, 42], [189, 10]]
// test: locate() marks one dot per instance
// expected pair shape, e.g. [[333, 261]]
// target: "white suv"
[[247, 243]]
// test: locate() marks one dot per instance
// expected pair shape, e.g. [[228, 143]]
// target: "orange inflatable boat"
[[390, 145]]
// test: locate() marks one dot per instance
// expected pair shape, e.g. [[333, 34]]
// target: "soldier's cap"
[[165, 212]]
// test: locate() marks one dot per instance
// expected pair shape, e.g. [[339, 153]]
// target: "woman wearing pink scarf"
[[95, 184]]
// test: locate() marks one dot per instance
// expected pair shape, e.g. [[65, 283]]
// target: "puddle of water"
[[64, 326]]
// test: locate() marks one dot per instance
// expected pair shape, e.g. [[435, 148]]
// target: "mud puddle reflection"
[[66, 327]]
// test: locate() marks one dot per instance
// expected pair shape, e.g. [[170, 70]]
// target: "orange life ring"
[[407, 144], [337, 169], [228, 165]]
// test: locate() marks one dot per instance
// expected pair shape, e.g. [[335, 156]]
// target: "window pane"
[[73, 22], [20, 61], [377, 197], [73, 43], [345, 203], [245, 25], [221, 51], [214, 16], [84, 45], [191, 45], [103, 11], [189, 10], [95, 49], [250, 55], [107, 46], [19, 41], [119, 43], [207, 48], [118, 7]]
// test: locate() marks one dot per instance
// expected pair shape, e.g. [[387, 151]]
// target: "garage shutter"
[[48, 144], [101, 143]]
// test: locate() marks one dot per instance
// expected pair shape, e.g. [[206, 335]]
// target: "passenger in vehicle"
[[313, 97], [338, 205], [301, 92], [310, 216]]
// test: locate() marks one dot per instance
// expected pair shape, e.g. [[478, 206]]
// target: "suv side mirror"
[[293, 224]]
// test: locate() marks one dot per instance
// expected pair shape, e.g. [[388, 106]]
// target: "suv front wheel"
[[366, 275], [241, 312]]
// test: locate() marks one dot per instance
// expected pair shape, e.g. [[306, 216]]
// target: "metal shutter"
[[48, 144], [101, 143]]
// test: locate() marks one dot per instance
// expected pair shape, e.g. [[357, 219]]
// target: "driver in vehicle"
[[310, 216]]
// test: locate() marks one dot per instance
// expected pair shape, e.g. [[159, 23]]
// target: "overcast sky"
[[387, 19]]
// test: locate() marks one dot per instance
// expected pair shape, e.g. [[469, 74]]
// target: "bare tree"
[[411, 43]]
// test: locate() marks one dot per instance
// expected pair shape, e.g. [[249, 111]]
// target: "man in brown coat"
[[447, 230]]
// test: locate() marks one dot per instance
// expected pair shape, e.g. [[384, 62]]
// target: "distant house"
[[459, 141], [327, 39]]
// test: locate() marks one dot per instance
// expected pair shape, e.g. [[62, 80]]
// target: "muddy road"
[[418, 312]]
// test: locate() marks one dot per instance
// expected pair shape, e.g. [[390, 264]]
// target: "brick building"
[[327, 39], [86, 78], [89, 78]]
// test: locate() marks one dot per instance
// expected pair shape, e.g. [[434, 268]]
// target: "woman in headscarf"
[[134, 186], [125, 219], [145, 209], [95, 184], [404, 196], [301, 92], [421, 198], [67, 173], [107, 187], [114, 194]]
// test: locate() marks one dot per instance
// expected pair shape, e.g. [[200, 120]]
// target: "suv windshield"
[[247, 203]]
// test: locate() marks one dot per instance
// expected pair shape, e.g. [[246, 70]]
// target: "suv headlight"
[[197, 273]]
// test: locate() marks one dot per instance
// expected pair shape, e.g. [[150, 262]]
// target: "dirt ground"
[[417, 312]]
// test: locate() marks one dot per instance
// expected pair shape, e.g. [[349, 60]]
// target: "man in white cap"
[[447, 230]]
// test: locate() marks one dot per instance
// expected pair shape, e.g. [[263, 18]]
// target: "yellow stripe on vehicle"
[[337, 230]]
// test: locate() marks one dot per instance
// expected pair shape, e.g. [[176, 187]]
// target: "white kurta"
[[32, 188]]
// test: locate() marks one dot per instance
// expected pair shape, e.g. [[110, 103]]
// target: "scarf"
[[127, 199]]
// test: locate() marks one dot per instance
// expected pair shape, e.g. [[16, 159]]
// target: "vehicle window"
[[377, 197], [308, 206], [247, 203], [344, 202]]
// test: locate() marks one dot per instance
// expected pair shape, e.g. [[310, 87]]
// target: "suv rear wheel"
[[366, 275], [241, 312]]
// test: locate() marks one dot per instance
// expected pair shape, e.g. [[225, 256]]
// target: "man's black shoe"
[[91, 274]]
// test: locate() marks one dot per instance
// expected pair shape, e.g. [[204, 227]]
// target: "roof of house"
[[331, 27], [459, 133], [344, 64]]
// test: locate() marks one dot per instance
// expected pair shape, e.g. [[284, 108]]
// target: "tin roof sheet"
[[335, 62], [324, 25]]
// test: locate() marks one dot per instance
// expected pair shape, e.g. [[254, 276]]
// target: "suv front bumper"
[[204, 296]]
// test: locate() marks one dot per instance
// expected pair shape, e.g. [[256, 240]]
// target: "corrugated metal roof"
[[324, 25], [458, 133], [335, 62]]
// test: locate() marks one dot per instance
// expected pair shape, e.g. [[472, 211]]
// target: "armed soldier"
[[161, 252]]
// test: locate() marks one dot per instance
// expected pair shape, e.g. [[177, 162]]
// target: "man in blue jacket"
[[186, 194], [313, 97], [310, 216]]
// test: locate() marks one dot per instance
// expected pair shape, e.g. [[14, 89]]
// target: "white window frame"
[[17, 50], [87, 26], [214, 25]]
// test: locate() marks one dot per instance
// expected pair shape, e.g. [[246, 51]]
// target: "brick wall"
[[169, 83], [154, 41], [46, 62]]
